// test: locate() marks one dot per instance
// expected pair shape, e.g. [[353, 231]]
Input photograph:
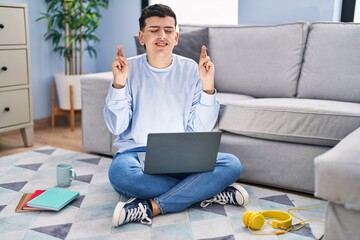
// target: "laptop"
[[181, 152]]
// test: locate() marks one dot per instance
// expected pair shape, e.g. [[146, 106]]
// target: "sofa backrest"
[[260, 61], [331, 68]]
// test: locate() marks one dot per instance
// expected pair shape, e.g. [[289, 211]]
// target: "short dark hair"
[[156, 10]]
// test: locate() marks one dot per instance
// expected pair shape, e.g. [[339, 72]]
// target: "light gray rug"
[[89, 216]]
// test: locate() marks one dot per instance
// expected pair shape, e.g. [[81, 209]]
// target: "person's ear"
[[177, 38], [141, 38]]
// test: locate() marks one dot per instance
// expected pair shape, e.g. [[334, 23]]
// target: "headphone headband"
[[281, 219]]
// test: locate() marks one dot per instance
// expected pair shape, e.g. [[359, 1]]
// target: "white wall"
[[357, 12], [203, 11], [283, 11]]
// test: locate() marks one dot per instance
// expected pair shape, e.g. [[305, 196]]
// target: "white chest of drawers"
[[15, 78]]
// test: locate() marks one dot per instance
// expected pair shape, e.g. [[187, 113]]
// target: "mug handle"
[[73, 174]]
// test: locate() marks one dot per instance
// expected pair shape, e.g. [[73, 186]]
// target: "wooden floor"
[[60, 136]]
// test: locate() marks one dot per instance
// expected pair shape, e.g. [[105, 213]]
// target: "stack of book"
[[53, 199]]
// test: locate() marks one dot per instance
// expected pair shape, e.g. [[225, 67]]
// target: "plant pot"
[[63, 83]]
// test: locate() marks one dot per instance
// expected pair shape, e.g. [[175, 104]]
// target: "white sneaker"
[[134, 210], [234, 194]]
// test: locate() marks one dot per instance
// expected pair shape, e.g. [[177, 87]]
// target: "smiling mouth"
[[161, 44]]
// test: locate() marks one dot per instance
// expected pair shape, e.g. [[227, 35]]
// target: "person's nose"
[[162, 34]]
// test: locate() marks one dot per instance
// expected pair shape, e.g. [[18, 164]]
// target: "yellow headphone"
[[255, 220]]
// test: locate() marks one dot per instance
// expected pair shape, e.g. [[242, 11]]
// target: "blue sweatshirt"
[[158, 100]]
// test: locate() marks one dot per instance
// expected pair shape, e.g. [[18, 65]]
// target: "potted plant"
[[71, 30]]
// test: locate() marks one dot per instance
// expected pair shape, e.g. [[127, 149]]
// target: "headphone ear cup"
[[256, 221], [246, 217]]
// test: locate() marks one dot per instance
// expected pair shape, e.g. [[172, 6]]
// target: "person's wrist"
[[117, 85], [209, 91]]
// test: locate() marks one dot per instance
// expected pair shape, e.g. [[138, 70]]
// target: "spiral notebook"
[[53, 199]]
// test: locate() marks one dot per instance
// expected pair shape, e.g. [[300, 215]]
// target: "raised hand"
[[120, 69], [206, 72]]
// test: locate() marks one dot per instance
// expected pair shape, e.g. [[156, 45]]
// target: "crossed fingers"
[[205, 59], [120, 60]]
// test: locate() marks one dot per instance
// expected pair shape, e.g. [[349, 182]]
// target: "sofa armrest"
[[337, 172], [95, 135]]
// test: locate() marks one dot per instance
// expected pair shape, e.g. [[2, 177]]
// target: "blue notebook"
[[53, 199]]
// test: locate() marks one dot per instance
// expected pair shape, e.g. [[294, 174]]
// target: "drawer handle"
[[7, 109], [4, 68], [2, 26]]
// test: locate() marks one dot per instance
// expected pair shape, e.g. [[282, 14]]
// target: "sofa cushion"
[[260, 61], [189, 45], [337, 173], [226, 98], [306, 121], [331, 63], [274, 163]]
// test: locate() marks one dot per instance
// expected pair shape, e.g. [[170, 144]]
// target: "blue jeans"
[[172, 192]]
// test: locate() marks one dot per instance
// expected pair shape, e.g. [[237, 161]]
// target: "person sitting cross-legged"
[[156, 92]]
